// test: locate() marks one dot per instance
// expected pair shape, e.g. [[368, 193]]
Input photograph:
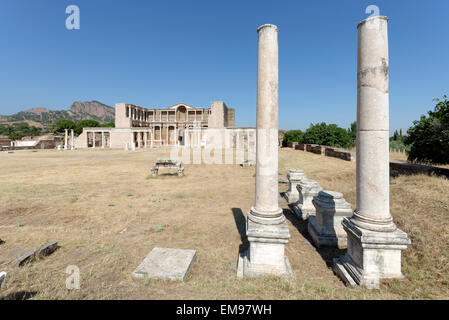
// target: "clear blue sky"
[[158, 53]]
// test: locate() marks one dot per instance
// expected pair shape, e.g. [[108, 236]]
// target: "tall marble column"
[[66, 137], [93, 138], [103, 141], [72, 140], [374, 241], [267, 230]]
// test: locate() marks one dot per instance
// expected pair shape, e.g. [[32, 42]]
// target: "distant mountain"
[[43, 118]]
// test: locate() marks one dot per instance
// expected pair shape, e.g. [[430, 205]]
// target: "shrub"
[[292, 136], [429, 136], [328, 135]]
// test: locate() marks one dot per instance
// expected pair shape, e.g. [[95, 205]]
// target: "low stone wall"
[[398, 168], [292, 144], [300, 146], [318, 149], [340, 154]]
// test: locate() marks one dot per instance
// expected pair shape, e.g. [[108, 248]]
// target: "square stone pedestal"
[[307, 189], [325, 227], [265, 255], [371, 256]]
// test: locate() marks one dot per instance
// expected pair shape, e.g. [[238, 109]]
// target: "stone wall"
[[340, 153], [398, 168], [300, 146]]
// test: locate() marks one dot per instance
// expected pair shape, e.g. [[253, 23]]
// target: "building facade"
[[179, 125]]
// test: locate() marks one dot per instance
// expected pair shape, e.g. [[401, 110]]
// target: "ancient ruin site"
[[230, 199]]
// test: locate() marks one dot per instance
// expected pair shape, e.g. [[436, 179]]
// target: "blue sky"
[[158, 53]]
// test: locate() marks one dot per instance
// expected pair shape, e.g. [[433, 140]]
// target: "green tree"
[[63, 124], [353, 131], [108, 125], [88, 123], [429, 136], [329, 135], [292, 136]]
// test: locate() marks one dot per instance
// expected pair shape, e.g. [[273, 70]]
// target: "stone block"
[[25, 258], [166, 264], [265, 255], [294, 177], [371, 256], [325, 227], [47, 249], [307, 189]]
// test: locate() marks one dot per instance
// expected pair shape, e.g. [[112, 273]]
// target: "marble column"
[[374, 241], [93, 139], [66, 137], [103, 141], [72, 140], [146, 139], [267, 230]]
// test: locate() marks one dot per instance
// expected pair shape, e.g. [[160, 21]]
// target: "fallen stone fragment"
[[47, 249], [166, 264], [25, 258], [2, 277]]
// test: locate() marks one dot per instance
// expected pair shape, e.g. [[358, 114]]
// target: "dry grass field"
[[107, 214]]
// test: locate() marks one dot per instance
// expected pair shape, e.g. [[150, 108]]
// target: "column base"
[[290, 197], [322, 237], [371, 256], [265, 255], [303, 212]]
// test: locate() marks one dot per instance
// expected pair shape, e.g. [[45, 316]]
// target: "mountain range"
[[43, 118]]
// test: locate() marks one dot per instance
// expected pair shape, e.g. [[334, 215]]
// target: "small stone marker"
[[166, 264], [2, 277]]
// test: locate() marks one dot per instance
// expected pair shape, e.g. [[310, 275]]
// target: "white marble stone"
[[294, 177], [374, 242], [307, 190], [166, 264], [2, 277], [371, 256], [325, 227], [267, 229]]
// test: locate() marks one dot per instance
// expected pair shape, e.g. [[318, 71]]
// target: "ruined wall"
[[121, 120]]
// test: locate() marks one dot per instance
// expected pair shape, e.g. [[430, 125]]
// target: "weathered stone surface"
[[25, 258], [374, 242], [325, 227], [267, 230], [166, 264], [371, 256], [307, 189], [47, 249], [294, 177], [248, 163], [2, 277]]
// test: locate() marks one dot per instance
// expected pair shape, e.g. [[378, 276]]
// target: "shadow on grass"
[[326, 253], [240, 222], [19, 295]]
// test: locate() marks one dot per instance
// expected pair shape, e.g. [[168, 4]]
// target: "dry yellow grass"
[[104, 211]]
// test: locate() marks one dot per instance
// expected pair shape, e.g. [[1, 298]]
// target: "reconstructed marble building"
[[178, 125]]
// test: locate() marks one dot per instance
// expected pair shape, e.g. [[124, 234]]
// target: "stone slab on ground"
[[25, 258], [47, 249], [166, 264]]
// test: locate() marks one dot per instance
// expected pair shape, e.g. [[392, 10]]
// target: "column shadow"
[[240, 222], [19, 295], [326, 253]]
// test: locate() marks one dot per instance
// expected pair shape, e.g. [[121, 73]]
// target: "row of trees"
[[426, 141], [19, 130], [323, 134], [61, 125]]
